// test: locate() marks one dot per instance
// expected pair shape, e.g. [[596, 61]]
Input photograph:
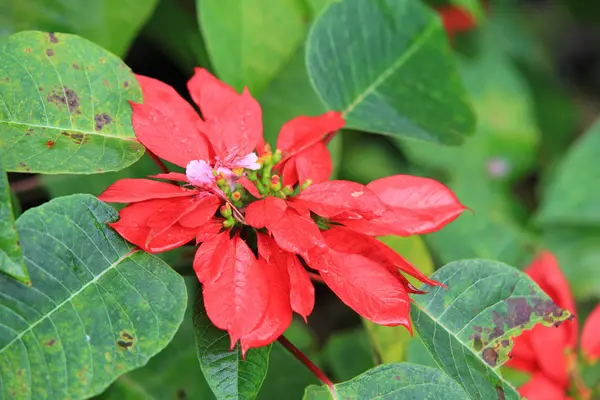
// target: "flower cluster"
[[550, 354], [262, 218]]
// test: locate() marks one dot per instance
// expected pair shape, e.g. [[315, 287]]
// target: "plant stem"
[[307, 363], [315, 277], [158, 162]]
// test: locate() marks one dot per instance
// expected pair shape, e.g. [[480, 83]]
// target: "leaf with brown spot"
[[469, 328], [86, 112]]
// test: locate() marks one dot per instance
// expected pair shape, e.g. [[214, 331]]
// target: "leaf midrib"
[[402, 59], [71, 297], [95, 133]]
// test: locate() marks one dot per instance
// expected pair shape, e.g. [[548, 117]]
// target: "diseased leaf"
[[469, 327], [112, 24], [227, 373], [64, 107], [391, 382], [11, 259], [250, 42], [396, 78], [96, 309]]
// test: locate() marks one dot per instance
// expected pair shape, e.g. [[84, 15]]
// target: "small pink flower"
[[199, 173]]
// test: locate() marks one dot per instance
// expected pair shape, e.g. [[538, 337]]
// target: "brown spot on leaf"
[[105, 82], [7, 79], [40, 89], [20, 372], [101, 120], [77, 138], [50, 343], [490, 356], [75, 65], [52, 37], [69, 98], [123, 344], [102, 60], [126, 340], [181, 394], [27, 50], [72, 99], [22, 164], [500, 393], [125, 84], [49, 52], [505, 343], [49, 144], [126, 335]]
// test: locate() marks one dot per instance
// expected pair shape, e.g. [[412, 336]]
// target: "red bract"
[[550, 354], [261, 222], [456, 19]]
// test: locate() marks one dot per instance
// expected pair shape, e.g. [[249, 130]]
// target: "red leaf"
[[237, 299], [169, 238], [539, 387], [344, 240], [209, 230], [205, 209], [300, 132], [545, 271], [313, 163], [295, 233], [590, 340], [415, 206], [265, 212], [279, 311], [549, 346], [167, 125], [456, 19], [249, 186], [207, 270], [134, 190], [172, 176], [334, 198], [288, 171], [367, 287], [233, 121]]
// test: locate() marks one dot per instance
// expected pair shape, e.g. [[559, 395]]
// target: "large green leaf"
[[393, 382], [573, 195], [11, 259], [228, 374], [249, 42], [174, 373], [387, 65], [63, 106], [113, 24], [97, 308], [469, 328]]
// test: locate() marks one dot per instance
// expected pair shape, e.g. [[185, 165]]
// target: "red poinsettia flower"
[[550, 354], [238, 195], [457, 19]]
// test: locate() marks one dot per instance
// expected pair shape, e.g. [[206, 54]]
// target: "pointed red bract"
[[539, 387], [265, 212], [134, 190], [590, 339], [341, 198], [250, 187], [172, 176], [168, 125], [295, 233], [211, 95], [203, 211], [314, 163], [206, 269], [302, 291], [209, 230], [237, 299], [366, 287], [301, 132]]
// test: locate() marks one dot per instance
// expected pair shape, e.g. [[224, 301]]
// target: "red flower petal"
[[539, 387], [295, 233], [549, 346], [205, 209], [288, 172], [301, 132], [237, 299], [344, 240], [279, 312], [209, 230], [456, 19], [415, 206], [206, 269], [265, 212], [367, 287], [590, 340], [134, 190], [334, 198], [233, 121], [545, 271], [172, 176], [249, 186], [523, 358], [167, 125], [313, 163]]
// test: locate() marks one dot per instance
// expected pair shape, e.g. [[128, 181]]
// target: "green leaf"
[[348, 354], [573, 194], [97, 308], [64, 106], [287, 377], [249, 42], [469, 327], [227, 373], [387, 66], [391, 382], [112, 24], [173, 373], [391, 342], [11, 259]]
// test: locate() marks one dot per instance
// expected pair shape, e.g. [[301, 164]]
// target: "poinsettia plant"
[[208, 199]]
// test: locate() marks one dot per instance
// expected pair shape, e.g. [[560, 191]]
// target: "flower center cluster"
[[224, 178]]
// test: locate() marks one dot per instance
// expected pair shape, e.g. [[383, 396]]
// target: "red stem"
[[315, 277], [307, 363], [158, 162]]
